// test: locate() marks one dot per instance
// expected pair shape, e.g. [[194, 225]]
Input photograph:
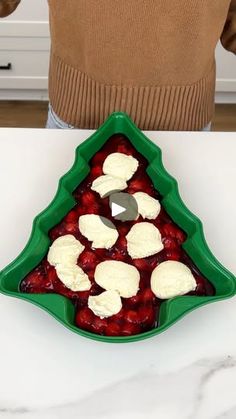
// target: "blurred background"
[[24, 60]]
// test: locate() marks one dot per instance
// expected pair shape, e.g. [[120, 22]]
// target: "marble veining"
[[211, 371], [229, 414], [182, 394]]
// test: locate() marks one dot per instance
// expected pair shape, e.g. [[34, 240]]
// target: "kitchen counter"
[[48, 372]]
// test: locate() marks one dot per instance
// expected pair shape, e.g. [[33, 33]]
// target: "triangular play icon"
[[117, 209]]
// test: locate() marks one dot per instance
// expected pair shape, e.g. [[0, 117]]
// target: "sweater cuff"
[[8, 6], [228, 37]]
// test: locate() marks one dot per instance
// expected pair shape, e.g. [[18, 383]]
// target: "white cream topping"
[[101, 234], [73, 277], [65, 250], [120, 165], [118, 276], [172, 278], [105, 185], [148, 207], [63, 254], [143, 240], [105, 304]]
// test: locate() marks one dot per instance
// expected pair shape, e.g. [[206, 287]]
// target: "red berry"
[[45, 265], [98, 325], [101, 253], [171, 230], [113, 329], [80, 210], [132, 316], [125, 149], [180, 236], [84, 318], [33, 282], [99, 158], [95, 289], [138, 184], [83, 297], [71, 228], [122, 243], [88, 198], [96, 171], [90, 274], [56, 232], [168, 230], [146, 316], [152, 261], [87, 260], [144, 280], [173, 254], [132, 301], [93, 208], [170, 243], [119, 317], [200, 289], [52, 274], [116, 254], [141, 264], [71, 217], [123, 229], [130, 329], [147, 296], [119, 250]]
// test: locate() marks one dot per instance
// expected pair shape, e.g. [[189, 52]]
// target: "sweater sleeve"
[[8, 6], [228, 37]]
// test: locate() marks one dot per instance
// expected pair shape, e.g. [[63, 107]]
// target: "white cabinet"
[[22, 68], [25, 45], [24, 52]]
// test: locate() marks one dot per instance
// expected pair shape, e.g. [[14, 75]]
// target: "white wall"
[[31, 10]]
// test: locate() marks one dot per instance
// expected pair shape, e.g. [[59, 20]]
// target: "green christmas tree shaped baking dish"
[[182, 234]]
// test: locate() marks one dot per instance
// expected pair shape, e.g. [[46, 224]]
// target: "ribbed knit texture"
[[86, 103], [152, 59]]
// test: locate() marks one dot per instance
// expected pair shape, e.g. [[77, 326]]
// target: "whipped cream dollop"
[[105, 304], [118, 276], [120, 165], [148, 207], [106, 184], [73, 277], [172, 278], [99, 230], [63, 254], [143, 240], [65, 250]]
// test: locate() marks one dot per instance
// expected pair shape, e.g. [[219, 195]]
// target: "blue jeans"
[[54, 122]]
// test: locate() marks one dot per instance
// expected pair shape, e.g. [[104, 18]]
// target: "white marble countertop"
[[48, 372]]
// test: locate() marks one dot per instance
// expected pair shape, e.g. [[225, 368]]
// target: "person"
[[153, 59]]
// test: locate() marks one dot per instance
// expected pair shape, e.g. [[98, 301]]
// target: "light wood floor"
[[33, 115]]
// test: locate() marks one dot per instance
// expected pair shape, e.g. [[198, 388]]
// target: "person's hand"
[[7, 7]]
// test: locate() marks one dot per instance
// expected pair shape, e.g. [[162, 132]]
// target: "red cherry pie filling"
[[139, 312]]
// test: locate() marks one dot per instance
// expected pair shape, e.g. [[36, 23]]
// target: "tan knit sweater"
[[153, 59]]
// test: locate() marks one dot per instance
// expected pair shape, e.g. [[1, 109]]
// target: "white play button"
[[117, 209], [123, 206]]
